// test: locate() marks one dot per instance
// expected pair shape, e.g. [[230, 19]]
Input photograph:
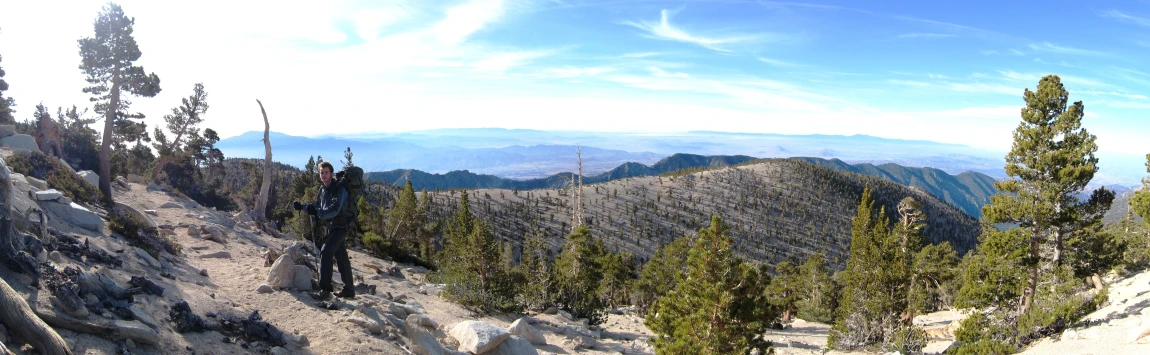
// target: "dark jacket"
[[331, 206]]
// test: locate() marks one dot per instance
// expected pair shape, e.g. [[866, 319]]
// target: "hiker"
[[332, 207]]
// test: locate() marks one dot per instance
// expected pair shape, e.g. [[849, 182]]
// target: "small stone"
[[302, 340], [265, 288], [551, 310], [151, 212], [48, 195], [204, 272]]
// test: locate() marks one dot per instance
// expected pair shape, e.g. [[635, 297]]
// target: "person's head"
[[326, 171]]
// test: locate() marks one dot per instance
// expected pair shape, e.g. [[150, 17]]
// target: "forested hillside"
[[778, 210]]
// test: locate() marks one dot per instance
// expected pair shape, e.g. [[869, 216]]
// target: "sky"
[[951, 72]]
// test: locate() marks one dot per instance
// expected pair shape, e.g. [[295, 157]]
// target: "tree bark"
[[106, 142], [18, 317], [262, 202]]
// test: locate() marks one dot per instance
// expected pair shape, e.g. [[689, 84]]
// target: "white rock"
[[90, 177], [216, 233], [523, 329], [301, 278], [265, 288], [422, 342], [20, 142], [47, 195], [76, 215], [147, 258], [478, 337], [281, 275], [154, 213], [514, 346]]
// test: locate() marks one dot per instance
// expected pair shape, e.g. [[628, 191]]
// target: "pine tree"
[[6, 103], [785, 290], [578, 271], [1026, 274], [183, 123], [936, 270], [536, 268], [820, 298], [718, 308], [472, 268], [661, 274], [1140, 202], [108, 61], [404, 220], [618, 273], [875, 283]]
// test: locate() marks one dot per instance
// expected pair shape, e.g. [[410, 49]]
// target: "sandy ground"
[[230, 288]]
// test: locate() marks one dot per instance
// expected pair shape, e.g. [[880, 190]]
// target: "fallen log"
[[134, 330], [18, 316]]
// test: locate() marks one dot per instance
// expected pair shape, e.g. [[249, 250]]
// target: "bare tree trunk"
[[106, 142], [262, 202], [18, 317], [1097, 282]]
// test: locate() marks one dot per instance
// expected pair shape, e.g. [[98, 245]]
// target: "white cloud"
[[574, 72], [1127, 18], [464, 20], [664, 74], [1052, 48], [502, 61], [778, 63], [666, 31], [925, 35]]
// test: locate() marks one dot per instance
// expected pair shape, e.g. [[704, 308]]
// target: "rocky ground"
[[219, 276]]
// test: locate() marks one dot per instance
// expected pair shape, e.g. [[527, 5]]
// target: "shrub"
[[58, 176], [143, 237]]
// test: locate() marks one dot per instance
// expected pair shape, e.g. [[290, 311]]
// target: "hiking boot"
[[346, 294], [321, 295]]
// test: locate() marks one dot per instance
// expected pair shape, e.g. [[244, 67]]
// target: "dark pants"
[[333, 246]]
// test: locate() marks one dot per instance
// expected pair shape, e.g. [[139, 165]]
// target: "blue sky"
[[950, 72]]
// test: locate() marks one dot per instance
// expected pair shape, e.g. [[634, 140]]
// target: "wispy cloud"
[[640, 55], [957, 29], [779, 63], [464, 20], [910, 83], [663, 29], [986, 88], [1117, 94], [925, 35], [1127, 18], [656, 71], [1052, 48], [574, 72], [501, 62], [1061, 63]]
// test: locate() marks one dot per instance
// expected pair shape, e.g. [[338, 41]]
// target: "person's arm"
[[310, 208], [330, 211]]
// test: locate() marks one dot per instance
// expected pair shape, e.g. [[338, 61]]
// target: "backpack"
[[351, 178]]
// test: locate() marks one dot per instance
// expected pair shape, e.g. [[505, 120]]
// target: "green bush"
[[143, 237], [58, 176]]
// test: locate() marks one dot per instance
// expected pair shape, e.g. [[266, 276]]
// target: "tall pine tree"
[[108, 59]]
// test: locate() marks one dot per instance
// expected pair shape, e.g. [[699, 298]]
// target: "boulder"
[[133, 178], [47, 195], [7, 130], [193, 231], [20, 143], [75, 214], [135, 213], [514, 346], [301, 278], [216, 233], [90, 177], [56, 257], [523, 329], [281, 273], [478, 337], [265, 288], [40, 185], [422, 342], [147, 258]]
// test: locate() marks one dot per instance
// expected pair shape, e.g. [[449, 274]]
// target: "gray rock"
[[20, 142], [136, 331], [7, 130], [265, 288], [90, 177], [76, 215], [422, 320], [143, 317], [133, 178], [151, 212], [422, 342], [216, 233], [132, 211], [171, 205], [478, 337], [514, 346], [56, 257], [204, 272], [301, 278], [302, 340], [281, 273], [551, 310], [47, 195], [395, 322], [147, 258], [280, 351], [367, 323], [523, 329], [193, 231], [217, 255], [37, 183], [65, 200]]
